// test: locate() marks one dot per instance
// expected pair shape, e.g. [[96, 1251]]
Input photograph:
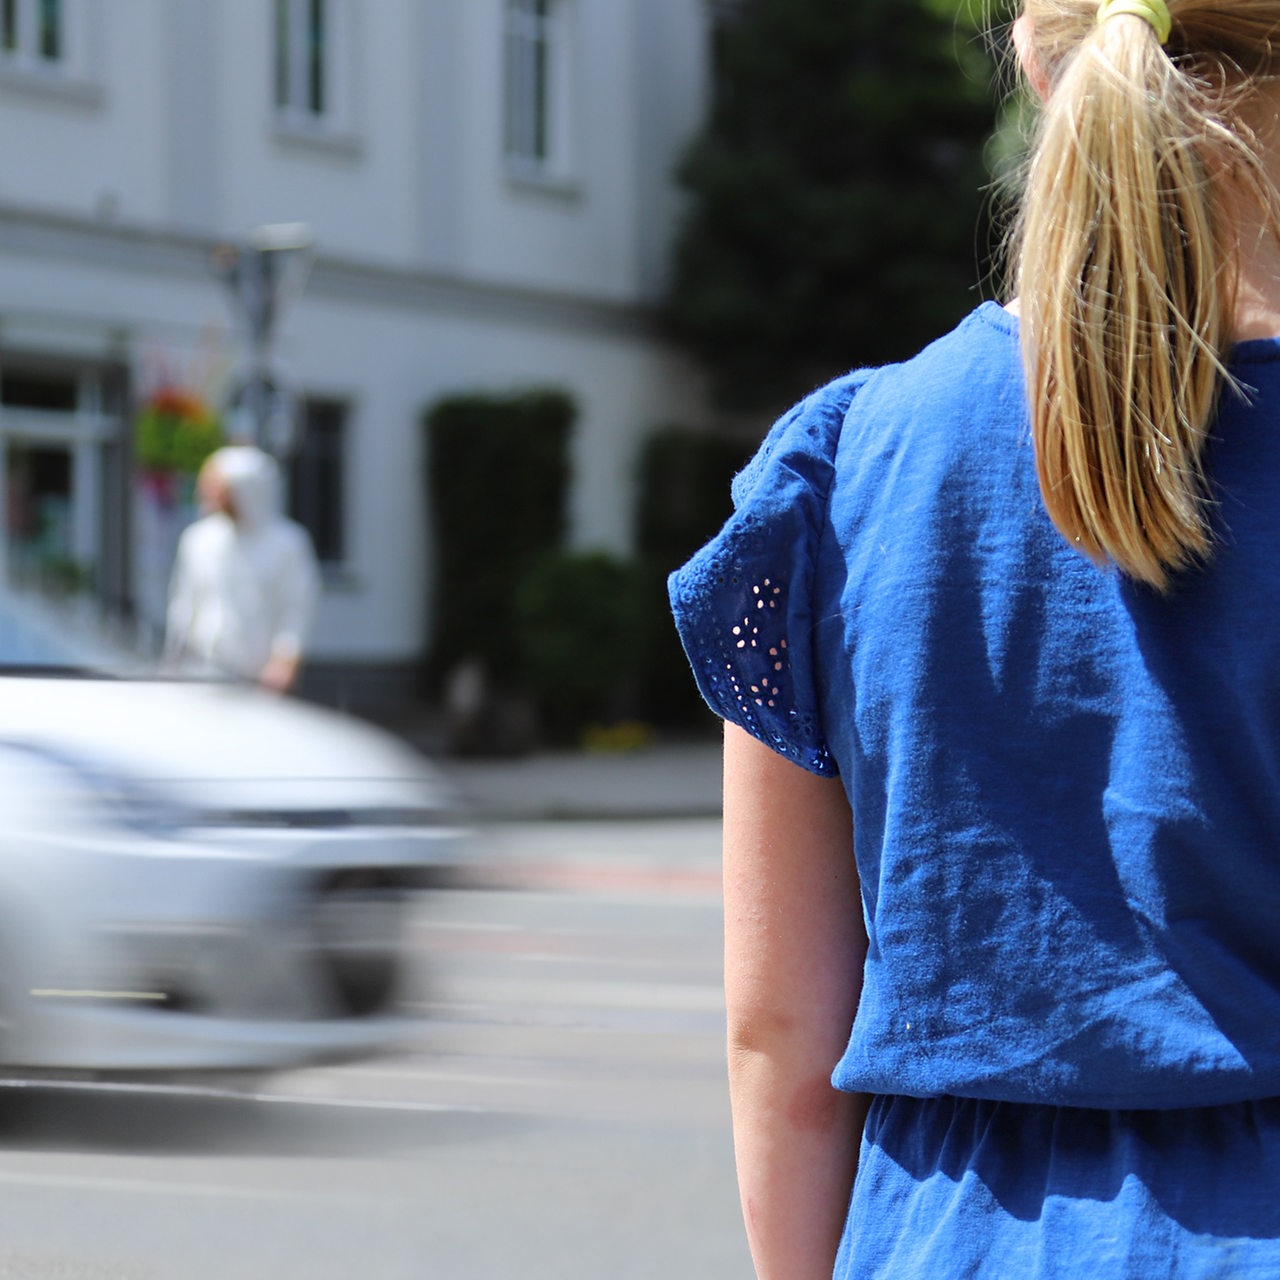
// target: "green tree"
[[836, 193]]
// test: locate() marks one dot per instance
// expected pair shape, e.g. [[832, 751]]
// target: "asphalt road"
[[560, 1113]]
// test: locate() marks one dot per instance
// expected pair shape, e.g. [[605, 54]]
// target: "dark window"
[[301, 62], [27, 390], [315, 58], [531, 36], [33, 31], [316, 478], [49, 40], [282, 53]]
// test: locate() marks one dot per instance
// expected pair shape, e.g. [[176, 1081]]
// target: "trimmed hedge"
[[579, 616], [584, 637], [498, 481]]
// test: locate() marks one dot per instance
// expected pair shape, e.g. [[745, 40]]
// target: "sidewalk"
[[664, 781]]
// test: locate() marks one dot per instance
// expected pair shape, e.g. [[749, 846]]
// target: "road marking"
[[168, 1187], [205, 1092], [612, 996]]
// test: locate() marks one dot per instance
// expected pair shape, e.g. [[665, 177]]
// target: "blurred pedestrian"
[[245, 579], [996, 633]]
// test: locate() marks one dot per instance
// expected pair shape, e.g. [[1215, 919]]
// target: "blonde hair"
[[1126, 264]]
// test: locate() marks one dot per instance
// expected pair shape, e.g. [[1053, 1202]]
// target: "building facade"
[[488, 187]]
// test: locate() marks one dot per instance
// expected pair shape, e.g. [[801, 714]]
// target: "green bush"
[[498, 480], [578, 616], [683, 500]]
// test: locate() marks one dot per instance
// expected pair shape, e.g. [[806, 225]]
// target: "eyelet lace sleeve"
[[743, 604]]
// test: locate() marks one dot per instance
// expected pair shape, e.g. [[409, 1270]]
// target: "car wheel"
[[358, 924]]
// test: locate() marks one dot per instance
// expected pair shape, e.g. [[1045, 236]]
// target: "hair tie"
[[1156, 12]]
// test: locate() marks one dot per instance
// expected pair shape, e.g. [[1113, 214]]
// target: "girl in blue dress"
[[996, 635]]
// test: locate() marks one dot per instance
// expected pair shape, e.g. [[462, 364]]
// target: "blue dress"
[[1066, 792]]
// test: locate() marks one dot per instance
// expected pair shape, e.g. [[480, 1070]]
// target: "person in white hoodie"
[[245, 577]]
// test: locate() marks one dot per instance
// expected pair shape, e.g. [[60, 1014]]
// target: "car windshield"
[[48, 637]]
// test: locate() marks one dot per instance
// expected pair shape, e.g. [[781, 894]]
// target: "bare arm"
[[794, 950]]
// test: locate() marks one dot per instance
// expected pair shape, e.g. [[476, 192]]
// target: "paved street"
[[561, 1114], [587, 984]]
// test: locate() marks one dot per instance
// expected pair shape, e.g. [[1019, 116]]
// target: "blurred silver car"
[[196, 875]]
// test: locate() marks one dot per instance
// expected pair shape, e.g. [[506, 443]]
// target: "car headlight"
[[118, 800]]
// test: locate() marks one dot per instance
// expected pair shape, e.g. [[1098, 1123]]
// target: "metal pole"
[[259, 274]]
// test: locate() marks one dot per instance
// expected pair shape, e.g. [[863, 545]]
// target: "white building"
[[488, 187]]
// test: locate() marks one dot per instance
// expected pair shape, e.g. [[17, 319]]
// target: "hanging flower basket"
[[174, 432]]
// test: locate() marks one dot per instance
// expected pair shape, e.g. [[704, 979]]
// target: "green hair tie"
[[1156, 12]]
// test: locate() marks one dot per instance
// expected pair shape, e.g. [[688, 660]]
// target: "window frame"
[[311, 90], [72, 413], [537, 89], [63, 69], [22, 32], [310, 490]]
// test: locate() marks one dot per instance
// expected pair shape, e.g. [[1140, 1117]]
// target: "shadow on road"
[[142, 1121]]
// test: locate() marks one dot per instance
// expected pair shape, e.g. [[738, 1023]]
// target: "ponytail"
[[1126, 265]]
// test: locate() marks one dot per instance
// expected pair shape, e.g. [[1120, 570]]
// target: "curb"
[[673, 882], [666, 783]]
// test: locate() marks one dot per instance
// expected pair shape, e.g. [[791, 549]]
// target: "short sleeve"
[[743, 603]]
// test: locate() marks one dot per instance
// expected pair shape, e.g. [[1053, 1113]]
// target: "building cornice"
[[30, 232]]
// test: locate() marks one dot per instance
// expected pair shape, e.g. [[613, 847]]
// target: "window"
[[314, 71], [39, 389], [33, 32], [52, 48], [303, 59], [537, 87], [316, 474], [61, 522]]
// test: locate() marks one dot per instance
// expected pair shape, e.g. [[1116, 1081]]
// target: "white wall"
[[172, 123], [672, 83], [576, 235], [391, 365], [90, 143], [437, 272], [353, 185]]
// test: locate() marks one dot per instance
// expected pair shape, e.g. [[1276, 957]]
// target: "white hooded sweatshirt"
[[244, 589]]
